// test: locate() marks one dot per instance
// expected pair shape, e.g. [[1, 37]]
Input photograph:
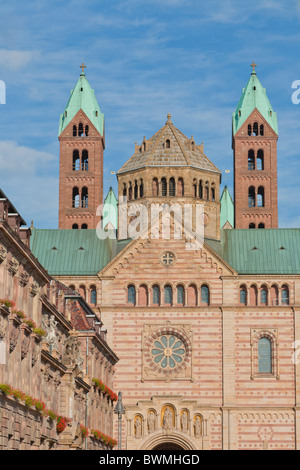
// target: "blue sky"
[[144, 59]]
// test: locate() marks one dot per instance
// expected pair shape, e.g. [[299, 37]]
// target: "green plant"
[[19, 313], [39, 405], [29, 401], [7, 303], [39, 331], [29, 322], [84, 431], [6, 389], [52, 415], [18, 394]]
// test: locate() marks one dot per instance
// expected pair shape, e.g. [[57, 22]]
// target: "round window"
[[168, 351], [168, 258]]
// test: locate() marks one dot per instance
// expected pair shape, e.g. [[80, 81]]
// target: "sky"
[[144, 59]]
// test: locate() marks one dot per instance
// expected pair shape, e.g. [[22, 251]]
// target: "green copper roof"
[[262, 251], [248, 251], [254, 96], [227, 208], [82, 97], [73, 252], [110, 210]]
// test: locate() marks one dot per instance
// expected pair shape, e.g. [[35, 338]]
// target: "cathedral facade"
[[204, 322]]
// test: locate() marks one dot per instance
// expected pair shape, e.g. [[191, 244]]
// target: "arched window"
[[93, 295], [207, 191], [156, 295], [84, 226], [136, 190], [192, 296], [163, 187], [131, 295], [261, 129], [172, 187], [168, 295], [130, 192], [205, 295], [74, 131], [76, 160], [143, 296], [75, 226], [82, 291], [264, 296], [252, 225], [285, 295], [84, 197], [155, 187], [141, 188], [261, 197], [264, 355], [253, 295], [180, 187], [200, 189], [195, 185], [180, 295], [251, 160], [75, 197], [274, 295], [80, 129], [86, 131], [255, 128], [168, 144], [243, 295], [251, 197], [261, 225], [124, 190], [249, 129], [213, 193], [85, 160], [260, 160]]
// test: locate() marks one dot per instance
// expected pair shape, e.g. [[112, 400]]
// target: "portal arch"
[[169, 441]]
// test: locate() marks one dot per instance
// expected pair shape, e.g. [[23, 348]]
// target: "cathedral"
[[196, 290]]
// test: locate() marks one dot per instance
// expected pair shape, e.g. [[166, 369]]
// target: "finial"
[[253, 65], [82, 66], [226, 173], [169, 118]]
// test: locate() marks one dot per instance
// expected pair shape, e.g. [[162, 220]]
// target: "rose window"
[[168, 351]]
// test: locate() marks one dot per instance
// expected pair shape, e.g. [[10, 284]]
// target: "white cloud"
[[29, 179], [16, 59]]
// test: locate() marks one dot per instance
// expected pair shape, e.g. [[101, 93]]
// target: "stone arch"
[[162, 441]]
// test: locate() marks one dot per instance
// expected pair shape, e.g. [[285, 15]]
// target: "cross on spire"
[[82, 66], [253, 65]]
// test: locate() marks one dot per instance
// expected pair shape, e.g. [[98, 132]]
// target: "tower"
[[254, 143], [82, 143], [170, 168]]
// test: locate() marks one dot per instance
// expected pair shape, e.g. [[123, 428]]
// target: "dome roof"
[[169, 147]]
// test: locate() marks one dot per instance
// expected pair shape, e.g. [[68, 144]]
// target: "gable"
[[80, 116], [256, 116]]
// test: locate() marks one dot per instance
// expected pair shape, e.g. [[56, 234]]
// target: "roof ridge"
[[187, 159]]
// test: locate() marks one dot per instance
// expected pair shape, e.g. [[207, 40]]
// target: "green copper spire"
[[227, 210], [110, 210], [82, 97], [254, 96]]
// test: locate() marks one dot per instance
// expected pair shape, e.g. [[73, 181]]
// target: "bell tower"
[[254, 143], [82, 143]]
